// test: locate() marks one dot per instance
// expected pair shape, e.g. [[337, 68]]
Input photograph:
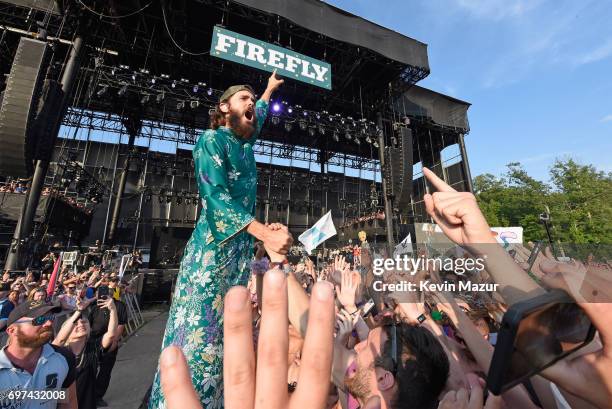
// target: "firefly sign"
[[269, 57]]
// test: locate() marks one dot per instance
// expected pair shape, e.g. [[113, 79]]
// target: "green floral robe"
[[217, 257]]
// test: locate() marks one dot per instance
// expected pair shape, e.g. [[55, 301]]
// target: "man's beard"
[[34, 341], [358, 385], [243, 130]]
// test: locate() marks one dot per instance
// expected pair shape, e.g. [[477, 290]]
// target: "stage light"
[[160, 97], [276, 107], [311, 131], [194, 104], [336, 137], [102, 90], [275, 120], [290, 110], [210, 91], [202, 84], [318, 116], [124, 67], [153, 80], [195, 88], [305, 113], [123, 90], [180, 105], [303, 124], [184, 80], [357, 140], [321, 129], [134, 77], [375, 144], [288, 126], [368, 139], [173, 84], [145, 99], [166, 76], [348, 136]]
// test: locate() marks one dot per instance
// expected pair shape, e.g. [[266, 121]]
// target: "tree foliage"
[[578, 197]]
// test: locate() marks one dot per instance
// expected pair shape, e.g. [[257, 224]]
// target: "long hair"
[[217, 118]]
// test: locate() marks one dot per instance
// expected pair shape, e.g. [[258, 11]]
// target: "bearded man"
[[30, 363], [220, 250]]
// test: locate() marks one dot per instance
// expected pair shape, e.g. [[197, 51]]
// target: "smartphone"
[[537, 247], [103, 292], [369, 308], [535, 334]]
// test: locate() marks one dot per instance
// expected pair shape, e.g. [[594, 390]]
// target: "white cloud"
[[599, 53], [607, 118]]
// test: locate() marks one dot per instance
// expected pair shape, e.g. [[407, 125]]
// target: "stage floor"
[[136, 363]]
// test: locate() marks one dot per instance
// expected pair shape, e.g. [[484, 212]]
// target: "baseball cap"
[[234, 89], [32, 309]]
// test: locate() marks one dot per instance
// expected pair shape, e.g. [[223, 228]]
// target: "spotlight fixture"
[[160, 97], [180, 105], [194, 104], [321, 129], [357, 140], [303, 124], [173, 84], [288, 126], [195, 88], [276, 107], [166, 76], [210, 91], [275, 120], [145, 99], [153, 80], [311, 131], [375, 144], [368, 139], [102, 90], [122, 90], [290, 110]]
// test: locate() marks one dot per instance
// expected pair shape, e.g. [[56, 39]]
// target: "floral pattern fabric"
[[217, 257]]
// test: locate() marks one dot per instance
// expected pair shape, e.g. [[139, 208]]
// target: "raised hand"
[[457, 213], [473, 399], [273, 82], [347, 291], [345, 323]]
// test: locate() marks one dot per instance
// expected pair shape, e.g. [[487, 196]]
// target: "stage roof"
[[434, 108]]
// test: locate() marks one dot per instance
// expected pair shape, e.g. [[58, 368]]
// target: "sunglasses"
[[38, 321]]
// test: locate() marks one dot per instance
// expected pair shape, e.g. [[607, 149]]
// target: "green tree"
[[579, 199]]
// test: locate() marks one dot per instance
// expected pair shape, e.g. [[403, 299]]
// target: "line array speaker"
[[20, 106], [400, 166]]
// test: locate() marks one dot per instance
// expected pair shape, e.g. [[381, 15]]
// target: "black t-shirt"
[[99, 318], [70, 359], [86, 368]]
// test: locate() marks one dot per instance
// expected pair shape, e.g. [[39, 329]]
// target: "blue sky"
[[538, 73]]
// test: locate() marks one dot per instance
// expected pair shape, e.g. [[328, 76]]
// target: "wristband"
[[421, 318]]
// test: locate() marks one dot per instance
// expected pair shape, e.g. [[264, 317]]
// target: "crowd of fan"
[[416, 350], [22, 188], [76, 325]]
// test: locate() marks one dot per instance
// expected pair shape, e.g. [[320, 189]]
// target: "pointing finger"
[[439, 184]]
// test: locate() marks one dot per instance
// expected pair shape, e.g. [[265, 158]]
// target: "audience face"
[[27, 335], [81, 330], [364, 379], [39, 296]]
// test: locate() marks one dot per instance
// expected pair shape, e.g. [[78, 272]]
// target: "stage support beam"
[[386, 195], [132, 125], [465, 164], [15, 260]]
